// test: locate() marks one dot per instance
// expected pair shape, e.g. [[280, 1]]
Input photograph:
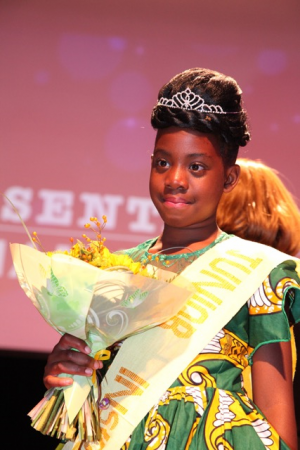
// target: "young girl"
[[179, 385]]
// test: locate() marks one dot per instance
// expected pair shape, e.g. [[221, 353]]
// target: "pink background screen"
[[78, 81]]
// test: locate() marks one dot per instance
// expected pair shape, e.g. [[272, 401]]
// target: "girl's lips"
[[175, 202]]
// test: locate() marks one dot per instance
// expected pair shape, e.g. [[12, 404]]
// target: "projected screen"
[[78, 82]]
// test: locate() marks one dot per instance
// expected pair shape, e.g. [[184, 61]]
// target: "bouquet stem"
[[50, 417]]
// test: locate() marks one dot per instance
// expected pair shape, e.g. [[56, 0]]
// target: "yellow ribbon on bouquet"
[[101, 355]]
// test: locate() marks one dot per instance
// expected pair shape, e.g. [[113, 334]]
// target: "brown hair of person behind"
[[260, 208]]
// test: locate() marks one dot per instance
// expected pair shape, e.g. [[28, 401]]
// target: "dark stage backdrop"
[[78, 80]]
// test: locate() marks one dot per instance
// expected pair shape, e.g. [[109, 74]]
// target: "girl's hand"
[[64, 359]]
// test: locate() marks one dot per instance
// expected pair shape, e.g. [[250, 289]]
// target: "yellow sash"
[[224, 278]]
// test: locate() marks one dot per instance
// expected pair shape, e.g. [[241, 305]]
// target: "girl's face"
[[188, 177]]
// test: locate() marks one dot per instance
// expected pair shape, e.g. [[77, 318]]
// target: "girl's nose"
[[176, 178]]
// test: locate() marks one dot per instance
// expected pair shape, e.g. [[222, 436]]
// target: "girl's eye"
[[161, 163], [196, 167]]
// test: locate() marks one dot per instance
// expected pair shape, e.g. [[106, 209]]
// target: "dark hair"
[[215, 89]]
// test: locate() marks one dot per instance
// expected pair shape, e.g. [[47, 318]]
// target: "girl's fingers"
[[67, 341], [71, 368], [52, 371], [72, 356], [51, 381], [69, 356], [72, 349]]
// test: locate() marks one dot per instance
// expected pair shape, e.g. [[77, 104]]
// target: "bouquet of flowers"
[[100, 297]]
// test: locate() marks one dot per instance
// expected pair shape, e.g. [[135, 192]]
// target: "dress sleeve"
[[275, 306]]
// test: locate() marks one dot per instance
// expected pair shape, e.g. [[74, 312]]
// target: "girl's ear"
[[231, 177]]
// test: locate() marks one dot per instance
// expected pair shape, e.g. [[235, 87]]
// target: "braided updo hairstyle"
[[215, 89]]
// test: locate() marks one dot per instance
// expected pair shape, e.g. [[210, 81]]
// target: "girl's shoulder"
[[282, 290], [290, 268], [271, 311], [279, 293], [281, 265], [275, 307]]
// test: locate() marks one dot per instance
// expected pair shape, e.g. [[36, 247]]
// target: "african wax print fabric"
[[207, 406]]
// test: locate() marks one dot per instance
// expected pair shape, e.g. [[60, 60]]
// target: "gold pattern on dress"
[[224, 344], [267, 299], [192, 433], [235, 348], [157, 431], [265, 431], [197, 375], [225, 412]]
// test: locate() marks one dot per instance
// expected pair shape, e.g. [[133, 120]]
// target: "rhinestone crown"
[[187, 99]]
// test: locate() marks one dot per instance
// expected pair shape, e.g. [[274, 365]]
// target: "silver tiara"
[[191, 101]]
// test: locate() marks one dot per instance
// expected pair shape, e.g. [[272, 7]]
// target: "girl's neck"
[[176, 239]]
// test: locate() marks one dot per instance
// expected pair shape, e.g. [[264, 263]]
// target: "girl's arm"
[[272, 382], [64, 359]]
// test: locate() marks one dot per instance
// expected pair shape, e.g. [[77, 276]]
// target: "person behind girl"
[[261, 209], [179, 385]]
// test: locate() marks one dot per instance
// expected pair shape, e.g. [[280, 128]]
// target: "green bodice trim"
[[175, 262]]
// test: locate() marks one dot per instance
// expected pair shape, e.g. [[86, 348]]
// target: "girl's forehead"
[[186, 141]]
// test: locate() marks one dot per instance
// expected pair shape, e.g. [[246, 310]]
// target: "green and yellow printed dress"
[[207, 407]]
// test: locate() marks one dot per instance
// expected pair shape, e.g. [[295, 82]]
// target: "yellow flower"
[[125, 261], [96, 254], [75, 250]]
